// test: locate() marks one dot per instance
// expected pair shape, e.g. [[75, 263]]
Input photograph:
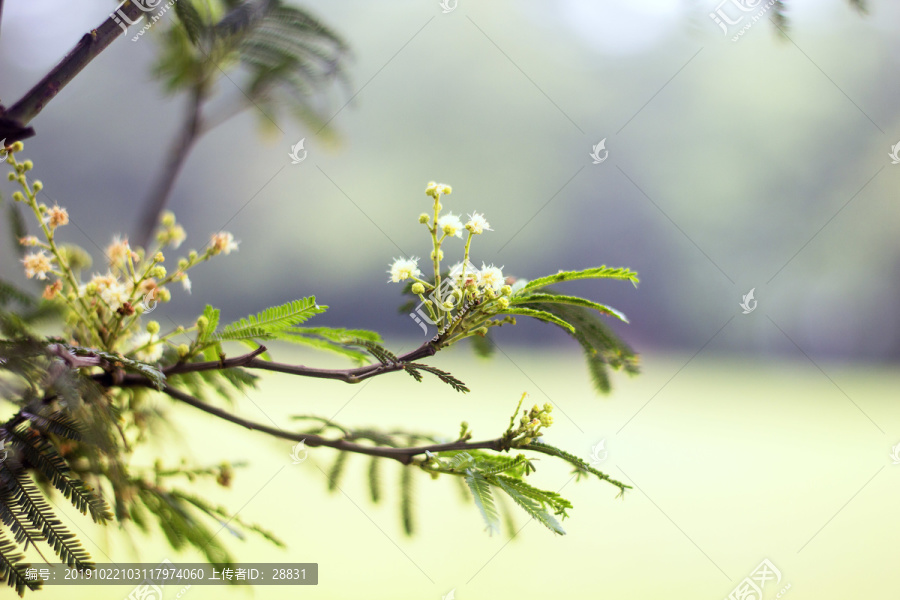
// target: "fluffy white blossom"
[[450, 225], [490, 277], [152, 352], [478, 224], [403, 269], [37, 264]]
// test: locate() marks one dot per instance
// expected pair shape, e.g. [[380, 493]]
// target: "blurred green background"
[[762, 163]]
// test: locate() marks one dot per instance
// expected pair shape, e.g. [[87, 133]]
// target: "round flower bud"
[[167, 219], [18, 197], [17, 147], [28, 165], [183, 350], [418, 288], [11, 176], [505, 290], [158, 272], [164, 294], [440, 255], [158, 257], [503, 303], [37, 186], [446, 190], [423, 218], [153, 327], [202, 322]]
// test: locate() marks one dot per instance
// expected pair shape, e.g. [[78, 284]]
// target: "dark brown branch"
[[250, 361], [86, 50], [402, 455], [175, 159]]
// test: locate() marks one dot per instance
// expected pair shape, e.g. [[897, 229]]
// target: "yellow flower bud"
[[153, 327], [505, 290], [503, 303], [17, 147], [158, 257], [183, 350], [164, 294], [202, 322], [423, 218], [167, 219], [418, 288], [37, 186]]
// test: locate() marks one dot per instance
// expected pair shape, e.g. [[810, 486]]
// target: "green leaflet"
[[541, 315], [524, 495], [571, 300], [272, 323], [484, 500], [601, 272], [190, 20], [406, 492], [212, 322]]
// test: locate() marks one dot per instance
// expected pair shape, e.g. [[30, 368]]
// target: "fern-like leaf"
[[602, 272], [13, 567], [516, 489], [448, 378], [562, 299], [272, 322], [481, 493], [541, 315]]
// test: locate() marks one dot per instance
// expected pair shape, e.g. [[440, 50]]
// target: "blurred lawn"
[[732, 462]]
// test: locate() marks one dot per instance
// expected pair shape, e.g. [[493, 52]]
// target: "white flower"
[[151, 353], [186, 283], [111, 290], [456, 272], [118, 251], [478, 224], [490, 277], [450, 225], [56, 217], [37, 264], [223, 243], [403, 269]]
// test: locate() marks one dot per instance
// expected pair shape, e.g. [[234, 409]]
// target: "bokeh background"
[[762, 163]]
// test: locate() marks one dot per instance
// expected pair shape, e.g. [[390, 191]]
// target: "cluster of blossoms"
[[105, 310], [465, 284]]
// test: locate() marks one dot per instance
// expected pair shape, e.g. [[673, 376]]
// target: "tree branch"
[[402, 455], [175, 159], [250, 361], [86, 50]]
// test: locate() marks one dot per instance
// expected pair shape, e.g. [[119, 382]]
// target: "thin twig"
[[86, 50], [402, 455], [175, 159], [250, 361]]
